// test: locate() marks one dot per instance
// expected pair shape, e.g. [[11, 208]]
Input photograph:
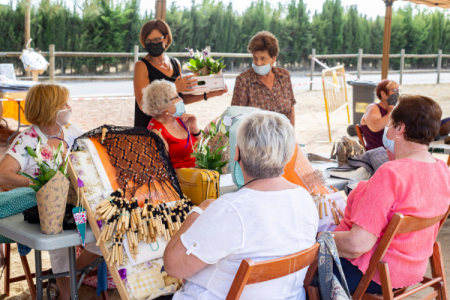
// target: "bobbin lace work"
[[138, 156]]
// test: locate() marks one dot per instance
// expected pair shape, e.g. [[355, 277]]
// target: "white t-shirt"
[[250, 224], [29, 137]]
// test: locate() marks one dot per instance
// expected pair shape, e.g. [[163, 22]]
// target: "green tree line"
[[108, 26]]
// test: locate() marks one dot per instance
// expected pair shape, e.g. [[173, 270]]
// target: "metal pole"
[[73, 273], [136, 53], [439, 66], [52, 62], [27, 26], [360, 57], [313, 62], [38, 265], [387, 39], [402, 65]]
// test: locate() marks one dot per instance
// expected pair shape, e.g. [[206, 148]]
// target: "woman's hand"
[[190, 121], [217, 93], [184, 84]]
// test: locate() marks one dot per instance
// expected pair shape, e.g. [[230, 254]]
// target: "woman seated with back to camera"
[[268, 218], [413, 183], [178, 130], [376, 116]]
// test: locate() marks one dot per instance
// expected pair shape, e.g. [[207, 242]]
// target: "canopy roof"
[[432, 3]]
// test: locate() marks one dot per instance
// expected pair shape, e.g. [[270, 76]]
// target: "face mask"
[[388, 144], [63, 117], [393, 99], [261, 70], [154, 49], [181, 109]]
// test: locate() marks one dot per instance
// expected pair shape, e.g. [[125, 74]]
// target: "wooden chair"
[[250, 272], [398, 225], [360, 136], [26, 268]]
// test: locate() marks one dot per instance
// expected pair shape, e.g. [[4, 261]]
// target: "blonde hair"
[[156, 97], [266, 143], [43, 102]]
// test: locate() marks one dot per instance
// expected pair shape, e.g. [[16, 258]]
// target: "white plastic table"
[[22, 232], [440, 146]]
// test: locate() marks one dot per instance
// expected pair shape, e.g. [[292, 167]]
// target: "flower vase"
[[51, 200], [203, 72]]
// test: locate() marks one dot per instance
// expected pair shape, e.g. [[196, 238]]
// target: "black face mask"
[[154, 50], [393, 99]]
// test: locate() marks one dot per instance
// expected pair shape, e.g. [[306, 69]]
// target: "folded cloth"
[[371, 161], [358, 174], [102, 278], [23, 250]]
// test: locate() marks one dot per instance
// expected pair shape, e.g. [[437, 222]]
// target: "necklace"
[[53, 136], [159, 63], [249, 182], [167, 124]]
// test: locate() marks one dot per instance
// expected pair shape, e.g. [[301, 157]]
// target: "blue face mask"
[[388, 144], [181, 109], [261, 70]]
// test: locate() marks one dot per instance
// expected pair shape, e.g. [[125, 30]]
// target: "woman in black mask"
[[156, 37]]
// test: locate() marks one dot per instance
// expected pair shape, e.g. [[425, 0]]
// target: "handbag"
[[346, 148], [199, 184]]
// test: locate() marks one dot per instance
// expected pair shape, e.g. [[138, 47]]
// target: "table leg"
[[39, 285], [73, 273]]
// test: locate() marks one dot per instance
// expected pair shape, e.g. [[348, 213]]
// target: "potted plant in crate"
[[212, 150], [51, 186], [202, 64]]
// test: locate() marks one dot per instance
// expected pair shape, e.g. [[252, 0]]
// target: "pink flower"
[[33, 133], [47, 154], [13, 149]]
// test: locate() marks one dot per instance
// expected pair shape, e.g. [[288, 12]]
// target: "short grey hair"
[[266, 143], [156, 97]]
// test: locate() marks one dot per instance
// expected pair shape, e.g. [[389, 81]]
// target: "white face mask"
[[63, 117]]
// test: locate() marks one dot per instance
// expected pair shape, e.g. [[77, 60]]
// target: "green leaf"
[[25, 175], [31, 152], [227, 134], [36, 188], [49, 175], [213, 128]]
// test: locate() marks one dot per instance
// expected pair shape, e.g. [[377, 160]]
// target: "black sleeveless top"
[[140, 118]]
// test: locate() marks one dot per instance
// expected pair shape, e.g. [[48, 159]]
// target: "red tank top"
[[179, 149]]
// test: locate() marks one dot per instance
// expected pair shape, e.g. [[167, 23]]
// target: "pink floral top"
[[29, 137], [405, 186], [250, 91]]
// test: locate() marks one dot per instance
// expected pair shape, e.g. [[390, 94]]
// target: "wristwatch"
[[204, 96]]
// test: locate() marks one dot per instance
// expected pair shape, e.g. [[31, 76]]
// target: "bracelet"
[[204, 96], [197, 210], [197, 134]]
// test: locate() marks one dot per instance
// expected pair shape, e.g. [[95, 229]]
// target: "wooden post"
[[439, 66], [27, 26], [160, 9], [208, 48], [313, 62], [136, 53], [52, 62], [387, 39], [402, 65], [360, 57]]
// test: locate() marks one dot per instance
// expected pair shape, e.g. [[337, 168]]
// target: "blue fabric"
[[15, 202], [102, 278], [353, 276], [23, 250], [445, 121]]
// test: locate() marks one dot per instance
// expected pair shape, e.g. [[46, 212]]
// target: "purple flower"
[[205, 53], [81, 172], [191, 52], [148, 264], [73, 158]]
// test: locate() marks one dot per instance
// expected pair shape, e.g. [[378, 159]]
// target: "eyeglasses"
[[174, 98], [154, 41], [396, 90]]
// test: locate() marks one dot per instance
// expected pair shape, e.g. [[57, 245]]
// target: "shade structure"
[[388, 23], [160, 9]]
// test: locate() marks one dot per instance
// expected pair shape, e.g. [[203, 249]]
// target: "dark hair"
[[383, 86], [262, 41], [421, 116], [159, 24]]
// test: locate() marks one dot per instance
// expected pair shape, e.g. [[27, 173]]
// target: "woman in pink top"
[[413, 183]]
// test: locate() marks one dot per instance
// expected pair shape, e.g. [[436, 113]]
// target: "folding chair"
[[250, 272], [360, 136]]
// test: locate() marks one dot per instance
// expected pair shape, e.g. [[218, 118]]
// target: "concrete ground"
[[311, 129]]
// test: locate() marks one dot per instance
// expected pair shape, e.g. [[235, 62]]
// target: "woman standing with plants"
[[156, 38]]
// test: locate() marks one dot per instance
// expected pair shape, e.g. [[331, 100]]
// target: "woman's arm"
[[140, 81], [354, 243], [374, 120], [9, 179], [292, 116]]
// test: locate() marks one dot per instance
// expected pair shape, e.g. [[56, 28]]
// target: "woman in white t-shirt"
[[46, 108], [268, 218]]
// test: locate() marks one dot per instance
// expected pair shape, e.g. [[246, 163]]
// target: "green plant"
[[207, 158], [199, 61], [45, 171]]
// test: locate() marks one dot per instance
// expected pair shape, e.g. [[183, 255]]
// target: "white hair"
[[266, 143], [156, 97]]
